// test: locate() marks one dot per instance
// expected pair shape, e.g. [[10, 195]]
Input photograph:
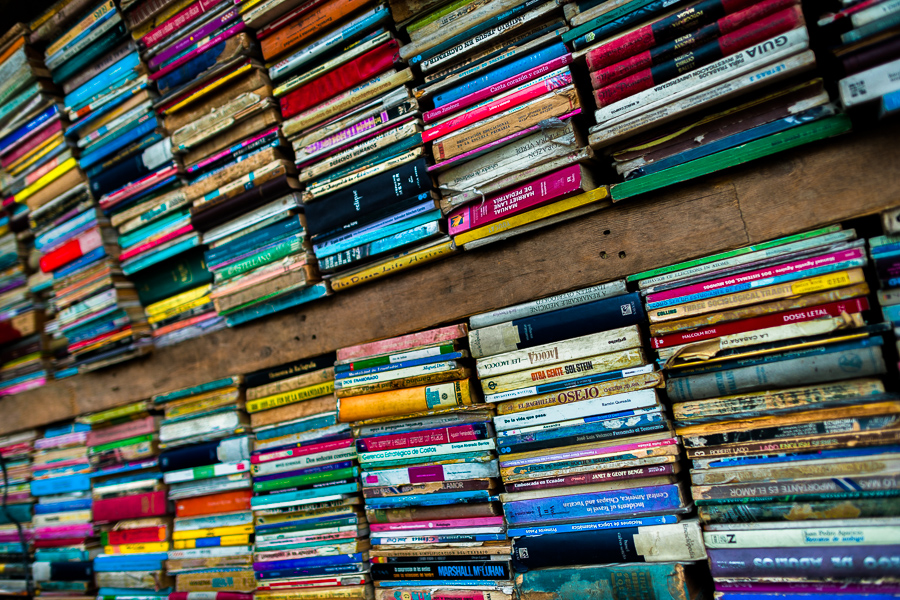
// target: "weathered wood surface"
[[852, 176]]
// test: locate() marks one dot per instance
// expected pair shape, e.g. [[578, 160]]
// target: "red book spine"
[[302, 451], [539, 191], [448, 435], [430, 337], [284, 20], [497, 88], [726, 45], [209, 596], [492, 108], [71, 250], [58, 543], [212, 504], [589, 478], [180, 20], [680, 45], [150, 504], [31, 142], [135, 250], [823, 311], [340, 80], [654, 34], [121, 432], [141, 535]]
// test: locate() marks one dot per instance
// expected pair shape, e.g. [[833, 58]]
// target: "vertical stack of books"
[[426, 448], [17, 513], [588, 458], [774, 375], [206, 466], [310, 530], [884, 251], [864, 38], [22, 364], [65, 543], [653, 64], [130, 507], [508, 154]]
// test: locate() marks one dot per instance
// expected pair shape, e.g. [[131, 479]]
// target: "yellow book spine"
[[80, 27], [214, 532], [276, 400], [159, 19], [49, 177], [207, 89], [226, 540], [137, 548], [393, 265], [163, 306], [114, 413], [202, 405], [180, 309], [32, 156], [531, 216], [402, 402]]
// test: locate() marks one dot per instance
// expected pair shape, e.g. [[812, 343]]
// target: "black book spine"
[[847, 425], [471, 570], [577, 548], [188, 458], [291, 369], [352, 204]]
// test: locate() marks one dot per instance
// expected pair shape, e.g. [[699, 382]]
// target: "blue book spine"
[[253, 240], [401, 365], [387, 230], [135, 466], [28, 127], [163, 593], [740, 287], [85, 33], [886, 251], [466, 35], [263, 501], [595, 526], [499, 74], [68, 506], [450, 583], [141, 564], [136, 119], [891, 313], [315, 561], [147, 125], [279, 303], [61, 485], [613, 27], [140, 145], [429, 499], [302, 427], [591, 506], [191, 69], [890, 103], [137, 236], [388, 244], [740, 461], [61, 555], [145, 261], [104, 80], [323, 570], [65, 231], [585, 429]]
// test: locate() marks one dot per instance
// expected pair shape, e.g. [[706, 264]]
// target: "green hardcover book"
[[278, 484], [173, 276], [141, 439], [779, 142], [285, 248]]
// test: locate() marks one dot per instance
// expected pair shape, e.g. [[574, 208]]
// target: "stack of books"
[[739, 63], [864, 38], [588, 458], [774, 375], [884, 251], [65, 542], [310, 529], [130, 506], [205, 463], [15, 551], [427, 452], [501, 117]]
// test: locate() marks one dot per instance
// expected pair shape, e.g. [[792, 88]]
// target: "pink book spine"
[[404, 342], [496, 89], [448, 435], [341, 136], [209, 596], [444, 524], [69, 531], [259, 278], [590, 452], [60, 440], [121, 432], [589, 478], [60, 464], [28, 385], [292, 452], [223, 153], [500, 206], [492, 108], [134, 251], [760, 274], [42, 134], [302, 162], [465, 156], [231, 31], [178, 21], [136, 187]]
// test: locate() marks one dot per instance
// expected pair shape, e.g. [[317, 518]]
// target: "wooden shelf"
[[843, 178]]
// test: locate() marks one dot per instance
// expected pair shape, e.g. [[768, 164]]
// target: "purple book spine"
[[187, 41], [815, 563]]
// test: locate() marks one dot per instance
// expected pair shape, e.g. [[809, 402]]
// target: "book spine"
[[207, 472], [179, 21], [752, 492], [398, 344], [221, 41], [78, 29], [401, 402], [291, 397], [196, 38], [815, 369], [348, 452], [281, 250], [594, 406], [869, 85], [445, 570], [590, 478], [546, 456], [302, 451], [727, 45], [815, 563], [463, 433], [429, 474], [138, 506], [829, 442], [71, 251], [647, 425], [592, 506], [383, 456], [292, 30], [144, 426], [212, 504]]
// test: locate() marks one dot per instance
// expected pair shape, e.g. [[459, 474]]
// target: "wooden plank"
[[843, 178]]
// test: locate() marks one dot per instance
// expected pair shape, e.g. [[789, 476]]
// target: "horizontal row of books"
[[744, 450], [187, 165]]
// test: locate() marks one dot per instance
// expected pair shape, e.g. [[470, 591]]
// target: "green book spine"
[[431, 18], [285, 248], [603, 19], [141, 439], [265, 486], [171, 277]]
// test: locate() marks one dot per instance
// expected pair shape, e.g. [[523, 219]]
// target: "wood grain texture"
[[847, 177]]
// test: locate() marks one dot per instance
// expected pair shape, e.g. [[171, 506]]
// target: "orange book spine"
[[317, 20], [440, 396], [215, 503]]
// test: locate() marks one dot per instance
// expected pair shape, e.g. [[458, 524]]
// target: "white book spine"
[[874, 13], [434, 450], [804, 537], [597, 406], [871, 84], [439, 367], [300, 462], [451, 472]]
